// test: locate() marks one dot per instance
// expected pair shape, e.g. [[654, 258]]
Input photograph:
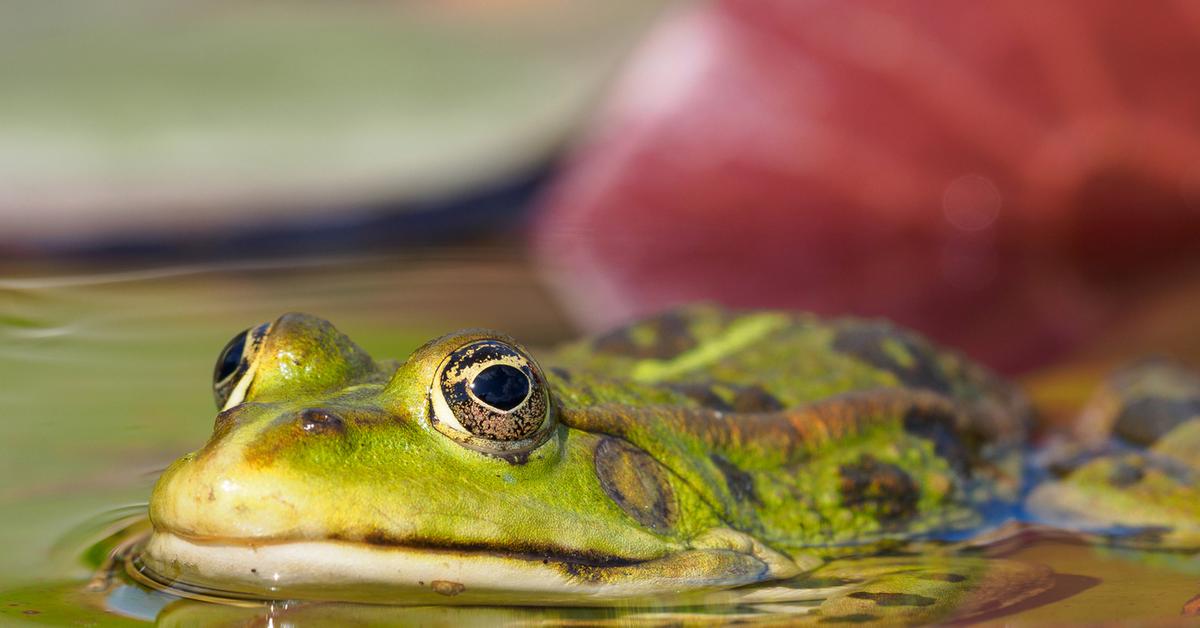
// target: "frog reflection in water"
[[696, 451]]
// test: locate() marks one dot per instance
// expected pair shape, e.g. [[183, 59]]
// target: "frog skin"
[[699, 452]]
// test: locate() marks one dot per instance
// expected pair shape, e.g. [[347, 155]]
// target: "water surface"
[[105, 379]]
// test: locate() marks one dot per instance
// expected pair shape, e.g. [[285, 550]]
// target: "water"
[[106, 380]]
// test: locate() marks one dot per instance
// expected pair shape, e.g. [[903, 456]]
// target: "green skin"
[[692, 452]]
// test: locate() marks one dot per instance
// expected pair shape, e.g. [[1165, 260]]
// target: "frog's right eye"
[[490, 396], [235, 366]]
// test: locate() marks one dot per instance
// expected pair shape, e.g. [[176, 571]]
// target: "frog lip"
[[355, 572], [320, 568], [381, 544]]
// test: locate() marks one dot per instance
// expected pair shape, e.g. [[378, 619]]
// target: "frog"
[[842, 466]]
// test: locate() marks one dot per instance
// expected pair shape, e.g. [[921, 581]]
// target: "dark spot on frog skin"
[[320, 421], [854, 618], [943, 577], [447, 587], [742, 398], [703, 394], [894, 599], [616, 342], [1143, 421], [959, 450], [669, 332], [290, 429], [31, 612], [636, 482], [561, 373], [740, 483], [755, 399], [867, 342], [885, 490]]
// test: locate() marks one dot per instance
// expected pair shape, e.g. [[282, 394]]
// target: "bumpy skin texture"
[[804, 433], [695, 450]]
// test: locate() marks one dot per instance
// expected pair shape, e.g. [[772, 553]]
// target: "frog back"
[[801, 431]]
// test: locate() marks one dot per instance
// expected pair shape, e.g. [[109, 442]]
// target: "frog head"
[[330, 474]]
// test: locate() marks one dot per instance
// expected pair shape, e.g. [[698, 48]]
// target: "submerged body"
[[695, 452]]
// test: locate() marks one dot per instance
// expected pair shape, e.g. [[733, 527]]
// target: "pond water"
[[105, 379]]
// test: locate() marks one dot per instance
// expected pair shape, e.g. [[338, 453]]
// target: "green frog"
[[701, 456]]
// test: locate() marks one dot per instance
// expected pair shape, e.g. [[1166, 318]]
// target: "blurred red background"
[[1008, 177]]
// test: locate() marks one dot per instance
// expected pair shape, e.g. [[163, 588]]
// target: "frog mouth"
[[334, 570]]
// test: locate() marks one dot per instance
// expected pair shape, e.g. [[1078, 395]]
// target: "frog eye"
[[491, 396], [235, 366]]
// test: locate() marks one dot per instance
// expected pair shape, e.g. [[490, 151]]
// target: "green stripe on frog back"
[[740, 333]]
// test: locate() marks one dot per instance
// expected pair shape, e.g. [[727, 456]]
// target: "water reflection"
[[1086, 587]]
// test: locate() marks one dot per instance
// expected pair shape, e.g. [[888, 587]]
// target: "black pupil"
[[501, 386], [230, 357]]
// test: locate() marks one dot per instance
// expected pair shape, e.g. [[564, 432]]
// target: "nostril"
[[319, 420]]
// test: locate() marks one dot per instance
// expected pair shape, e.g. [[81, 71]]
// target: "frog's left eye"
[[235, 366], [490, 395]]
